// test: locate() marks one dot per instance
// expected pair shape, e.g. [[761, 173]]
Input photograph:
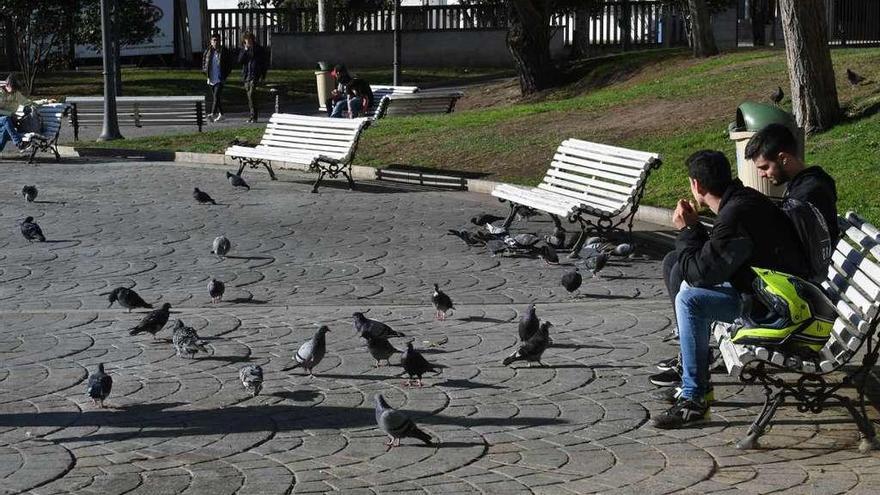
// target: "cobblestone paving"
[[177, 425]]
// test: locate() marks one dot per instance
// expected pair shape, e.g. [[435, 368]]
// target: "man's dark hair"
[[215, 36], [770, 141], [711, 169]]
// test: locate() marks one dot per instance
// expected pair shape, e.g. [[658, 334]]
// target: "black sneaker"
[[668, 378], [672, 363], [685, 412], [673, 394]]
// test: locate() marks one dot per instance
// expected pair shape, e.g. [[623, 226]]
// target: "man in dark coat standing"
[[216, 64], [253, 70]]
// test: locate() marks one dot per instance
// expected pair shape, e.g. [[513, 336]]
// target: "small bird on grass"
[[29, 193], [415, 365], [216, 289], [221, 246], [442, 303], [312, 351], [397, 425], [153, 322], [237, 181], [373, 328], [127, 298], [854, 78], [532, 349], [777, 96], [202, 197], [31, 231], [251, 376], [100, 384]]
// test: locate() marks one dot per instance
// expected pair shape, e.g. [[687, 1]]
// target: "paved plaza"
[[298, 260]]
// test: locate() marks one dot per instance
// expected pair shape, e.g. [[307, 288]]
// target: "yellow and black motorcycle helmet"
[[793, 314]]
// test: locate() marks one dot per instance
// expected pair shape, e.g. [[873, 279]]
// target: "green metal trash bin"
[[751, 117]]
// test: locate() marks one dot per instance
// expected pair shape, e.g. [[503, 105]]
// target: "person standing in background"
[[216, 64], [253, 70]]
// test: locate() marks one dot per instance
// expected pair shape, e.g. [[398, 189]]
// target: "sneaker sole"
[[662, 383]]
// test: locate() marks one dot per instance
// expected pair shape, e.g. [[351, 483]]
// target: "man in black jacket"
[[716, 267], [216, 64], [774, 151], [253, 70]]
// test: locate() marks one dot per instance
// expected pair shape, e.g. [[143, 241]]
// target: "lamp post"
[[396, 26], [110, 130]]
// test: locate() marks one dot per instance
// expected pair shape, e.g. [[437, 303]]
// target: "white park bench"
[[853, 284], [596, 185], [327, 145], [51, 115], [410, 100], [138, 111]]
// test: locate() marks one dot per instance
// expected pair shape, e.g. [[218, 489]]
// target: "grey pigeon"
[[528, 324], [572, 280], [485, 218], [127, 298], [557, 238], [216, 289], [534, 348], [221, 246], [251, 376], [202, 197], [237, 181], [525, 240], [396, 424], [495, 229], [853, 78], [29, 193], [312, 352], [373, 328], [31, 231], [442, 303], [153, 322], [548, 254], [380, 349], [186, 340], [596, 263], [415, 365], [624, 249], [496, 247], [467, 237], [100, 384], [777, 96], [594, 240]]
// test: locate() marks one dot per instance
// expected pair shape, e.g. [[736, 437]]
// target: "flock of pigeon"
[[534, 337]]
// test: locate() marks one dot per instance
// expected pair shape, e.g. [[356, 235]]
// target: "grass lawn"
[[661, 101]]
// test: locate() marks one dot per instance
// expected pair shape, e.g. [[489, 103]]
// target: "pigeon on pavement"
[[572, 280], [380, 349], [396, 424], [557, 238], [186, 340], [29, 193], [624, 249], [251, 376], [485, 218], [523, 241], [100, 384], [154, 321], [442, 303], [528, 324], [127, 298], [534, 348], [467, 237], [31, 231], [373, 328], [596, 262], [548, 254], [221, 246], [415, 365], [495, 229], [237, 181], [216, 289], [312, 351], [202, 197]]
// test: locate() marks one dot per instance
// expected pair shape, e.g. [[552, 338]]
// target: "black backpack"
[[30, 121], [812, 231]]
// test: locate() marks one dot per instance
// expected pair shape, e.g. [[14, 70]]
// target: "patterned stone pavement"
[[175, 425]]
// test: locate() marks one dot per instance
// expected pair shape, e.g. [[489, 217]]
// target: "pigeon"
[[31, 231], [484, 219], [100, 384], [523, 213], [186, 340], [523, 240], [596, 263], [442, 303], [415, 365], [572, 280], [202, 197], [466, 236], [373, 328], [528, 324], [624, 249], [495, 229], [216, 289], [153, 322], [436, 343], [397, 425], [127, 298], [548, 254], [853, 78], [594, 240], [312, 352], [251, 376], [777, 96], [534, 348], [29, 193], [221, 246], [557, 238], [380, 349], [237, 181], [496, 247]]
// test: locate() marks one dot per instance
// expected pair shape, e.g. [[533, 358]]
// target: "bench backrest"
[[380, 95], [854, 285], [598, 175], [51, 115], [141, 110], [301, 134], [421, 103]]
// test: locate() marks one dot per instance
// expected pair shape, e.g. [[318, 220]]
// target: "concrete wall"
[[470, 48], [724, 27]]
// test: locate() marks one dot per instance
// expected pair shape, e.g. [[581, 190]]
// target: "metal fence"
[[850, 23], [633, 24]]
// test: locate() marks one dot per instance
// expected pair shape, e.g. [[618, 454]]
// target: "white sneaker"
[[218, 118]]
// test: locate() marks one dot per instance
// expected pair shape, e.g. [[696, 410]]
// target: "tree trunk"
[[813, 90], [580, 43], [702, 36], [528, 40]]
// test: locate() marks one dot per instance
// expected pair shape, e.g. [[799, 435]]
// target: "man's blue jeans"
[[696, 308], [8, 132]]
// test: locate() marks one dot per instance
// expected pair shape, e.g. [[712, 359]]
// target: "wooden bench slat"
[[603, 160], [552, 184], [854, 266], [297, 136], [621, 189], [621, 174], [299, 130], [607, 149]]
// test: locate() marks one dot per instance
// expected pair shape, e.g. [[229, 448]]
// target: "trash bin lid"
[[752, 117]]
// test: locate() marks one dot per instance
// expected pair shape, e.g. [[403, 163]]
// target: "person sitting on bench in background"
[[10, 100]]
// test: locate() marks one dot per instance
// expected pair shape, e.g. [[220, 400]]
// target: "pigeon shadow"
[[225, 359], [482, 319], [297, 395], [245, 300], [56, 241], [468, 384], [50, 202], [609, 296], [372, 187], [340, 376], [432, 350], [249, 257], [582, 346]]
